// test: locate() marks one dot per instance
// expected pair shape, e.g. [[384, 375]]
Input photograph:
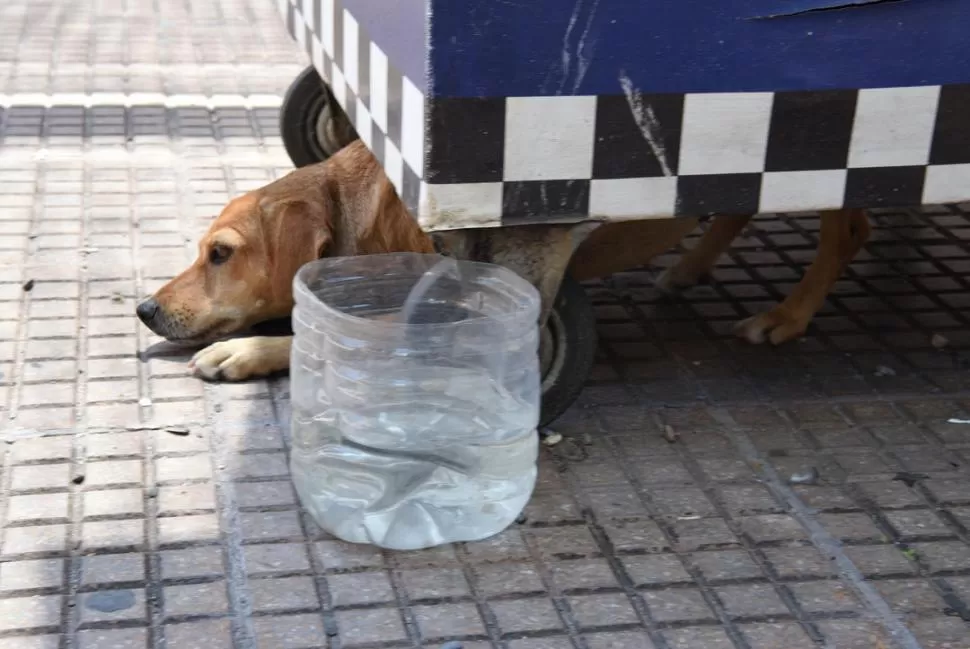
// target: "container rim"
[[523, 293]]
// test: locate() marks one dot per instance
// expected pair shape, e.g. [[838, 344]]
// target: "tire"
[[571, 330], [313, 126]]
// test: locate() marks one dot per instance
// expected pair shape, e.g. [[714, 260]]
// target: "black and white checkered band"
[[385, 106], [481, 162]]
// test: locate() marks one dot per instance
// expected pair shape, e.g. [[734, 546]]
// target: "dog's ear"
[[377, 222], [296, 232]]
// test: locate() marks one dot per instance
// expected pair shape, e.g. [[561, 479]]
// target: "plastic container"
[[415, 392]]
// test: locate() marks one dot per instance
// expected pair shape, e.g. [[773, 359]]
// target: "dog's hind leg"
[[624, 245], [843, 233], [699, 260]]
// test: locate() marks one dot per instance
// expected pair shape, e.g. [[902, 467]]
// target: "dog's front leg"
[[242, 358]]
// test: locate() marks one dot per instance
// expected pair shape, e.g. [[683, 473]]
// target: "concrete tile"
[[434, 583], [880, 560], [113, 606], [39, 507], [751, 600], [726, 565], [909, 596], [853, 634], [112, 568], [656, 570], [939, 632], [40, 476], [30, 642], [677, 605], [338, 556], [445, 621], [509, 578], [265, 494], [98, 535], [195, 599], [270, 526], [359, 588], [698, 636], [526, 615], [112, 473], [192, 562], [34, 539], [113, 638], [186, 498], [27, 613], [602, 610], [824, 597], [272, 558], [197, 528], [944, 555], [619, 640], [372, 625], [179, 469], [107, 445], [41, 449], [114, 502], [25, 575], [799, 562], [290, 631], [283, 594], [203, 634], [785, 634]]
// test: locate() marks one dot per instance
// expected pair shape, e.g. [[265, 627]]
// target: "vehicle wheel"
[[567, 349], [313, 126]]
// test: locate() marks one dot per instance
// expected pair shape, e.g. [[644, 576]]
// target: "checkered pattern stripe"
[[636, 155], [482, 162], [384, 105]]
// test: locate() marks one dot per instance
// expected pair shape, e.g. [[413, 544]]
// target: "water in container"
[[415, 392]]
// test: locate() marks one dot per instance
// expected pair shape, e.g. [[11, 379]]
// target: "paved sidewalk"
[[141, 509]]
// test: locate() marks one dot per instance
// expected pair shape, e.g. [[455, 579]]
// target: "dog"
[[247, 260], [621, 246], [346, 206]]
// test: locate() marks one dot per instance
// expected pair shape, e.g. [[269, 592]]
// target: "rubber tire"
[[575, 312], [302, 105]]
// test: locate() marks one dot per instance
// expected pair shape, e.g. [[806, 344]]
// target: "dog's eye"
[[219, 254]]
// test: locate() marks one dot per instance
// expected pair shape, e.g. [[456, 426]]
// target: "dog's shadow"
[[278, 327], [168, 351]]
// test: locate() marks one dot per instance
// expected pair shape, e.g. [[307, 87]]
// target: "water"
[[460, 466], [415, 391], [413, 301]]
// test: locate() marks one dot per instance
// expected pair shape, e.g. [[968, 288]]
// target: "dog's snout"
[[147, 310]]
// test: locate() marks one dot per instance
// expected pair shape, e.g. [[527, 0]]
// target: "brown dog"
[[616, 247], [248, 258], [347, 206]]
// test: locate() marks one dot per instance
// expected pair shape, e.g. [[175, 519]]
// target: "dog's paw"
[[235, 360], [777, 326], [672, 282]]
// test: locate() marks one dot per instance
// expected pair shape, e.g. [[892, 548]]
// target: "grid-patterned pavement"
[[142, 509]]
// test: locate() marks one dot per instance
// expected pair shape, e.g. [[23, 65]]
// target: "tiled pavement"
[[142, 509]]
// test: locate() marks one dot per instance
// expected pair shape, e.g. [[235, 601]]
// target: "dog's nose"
[[147, 310]]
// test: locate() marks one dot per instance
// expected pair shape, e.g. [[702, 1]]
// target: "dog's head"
[[247, 260]]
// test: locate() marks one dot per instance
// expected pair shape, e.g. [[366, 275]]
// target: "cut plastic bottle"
[[415, 389]]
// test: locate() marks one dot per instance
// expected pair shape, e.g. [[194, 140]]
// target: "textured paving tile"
[[631, 542]]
